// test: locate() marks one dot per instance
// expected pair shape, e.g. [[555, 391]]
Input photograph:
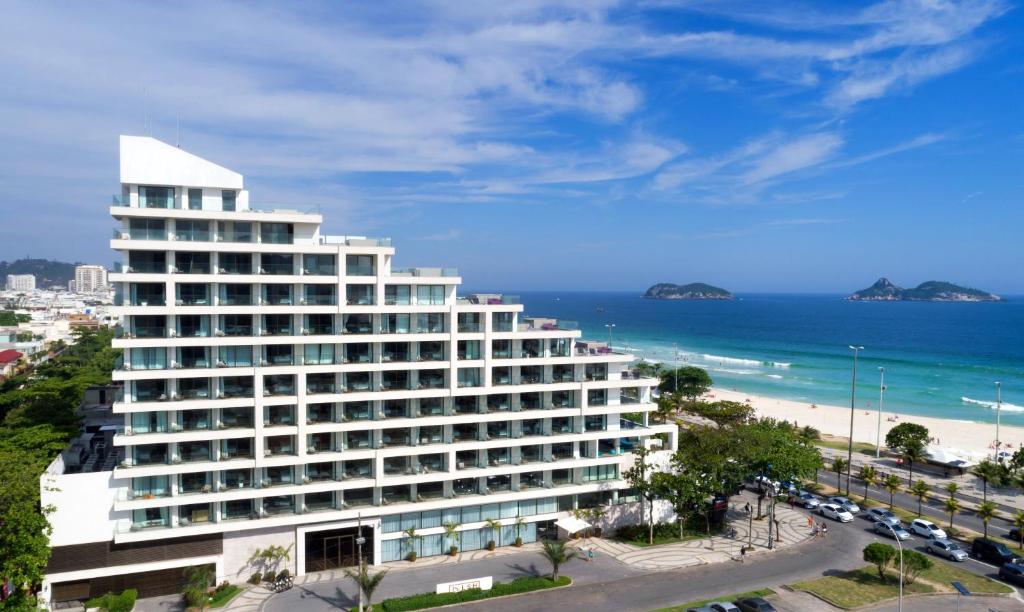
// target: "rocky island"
[[930, 291], [692, 291]]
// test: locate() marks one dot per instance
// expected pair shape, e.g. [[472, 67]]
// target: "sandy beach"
[[835, 420]]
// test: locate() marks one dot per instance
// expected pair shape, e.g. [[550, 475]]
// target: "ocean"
[[940, 359]]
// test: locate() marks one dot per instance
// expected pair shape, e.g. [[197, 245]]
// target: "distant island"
[[930, 291], [693, 291]]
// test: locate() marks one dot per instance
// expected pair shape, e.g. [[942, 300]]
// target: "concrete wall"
[[82, 506], [240, 545]]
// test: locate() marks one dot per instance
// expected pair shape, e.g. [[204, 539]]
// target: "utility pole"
[[359, 553], [999, 409], [853, 409], [675, 366], [878, 430]]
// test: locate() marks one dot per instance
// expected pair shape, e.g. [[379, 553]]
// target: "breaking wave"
[[1007, 407], [744, 362]]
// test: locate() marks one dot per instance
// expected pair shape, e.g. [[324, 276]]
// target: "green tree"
[[919, 490], [892, 485], [880, 555], [557, 555], [198, 580], [839, 466], [905, 434], [912, 452], [913, 564], [986, 511], [690, 382], [270, 558], [365, 581], [810, 433], [1018, 522], [952, 507], [952, 488], [987, 471], [723, 413], [869, 476], [685, 490], [639, 480], [411, 537], [24, 530]]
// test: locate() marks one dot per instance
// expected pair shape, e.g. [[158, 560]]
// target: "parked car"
[[835, 512], [808, 500], [891, 531], [723, 606], [994, 552], [846, 503], [1013, 534], [1012, 573], [882, 515], [789, 487], [927, 529], [754, 604], [946, 548], [701, 609]]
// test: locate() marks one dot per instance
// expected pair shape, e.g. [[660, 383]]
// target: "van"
[[991, 551]]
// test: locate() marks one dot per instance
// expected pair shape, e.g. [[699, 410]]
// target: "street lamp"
[[359, 553], [675, 365], [609, 326], [999, 409], [878, 430], [853, 401], [900, 545]]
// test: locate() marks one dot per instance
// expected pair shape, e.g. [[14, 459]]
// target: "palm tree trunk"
[[985, 523], [650, 536], [984, 490], [891, 494], [951, 520], [910, 474]]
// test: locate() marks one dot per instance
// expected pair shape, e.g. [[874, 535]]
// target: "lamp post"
[[610, 327], [999, 409], [900, 545], [771, 515], [853, 401], [675, 365], [359, 553], [878, 429]]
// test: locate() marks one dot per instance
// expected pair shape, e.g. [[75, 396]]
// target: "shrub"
[[454, 550], [491, 545], [269, 577], [662, 531], [223, 587], [114, 603], [881, 555], [519, 542], [432, 600], [281, 575], [255, 578], [411, 556]]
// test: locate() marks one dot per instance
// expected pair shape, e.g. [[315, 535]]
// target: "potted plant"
[[410, 540], [451, 532], [519, 524], [495, 526]]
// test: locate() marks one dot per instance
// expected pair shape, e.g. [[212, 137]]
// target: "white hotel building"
[[282, 387]]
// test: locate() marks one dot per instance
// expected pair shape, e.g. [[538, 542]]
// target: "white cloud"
[[451, 234], [804, 152]]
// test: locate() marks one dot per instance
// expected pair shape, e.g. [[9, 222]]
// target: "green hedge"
[[433, 600], [114, 603]]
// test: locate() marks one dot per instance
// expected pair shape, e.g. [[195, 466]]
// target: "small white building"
[[21, 282], [90, 279]]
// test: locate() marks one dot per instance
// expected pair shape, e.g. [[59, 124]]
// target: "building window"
[[277, 233], [432, 295], [502, 321], [195, 199], [360, 265], [397, 295], [227, 199], [156, 197], [469, 377]]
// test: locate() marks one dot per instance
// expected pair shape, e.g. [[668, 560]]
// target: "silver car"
[[808, 500], [946, 548], [723, 606], [846, 503], [881, 515], [891, 531]]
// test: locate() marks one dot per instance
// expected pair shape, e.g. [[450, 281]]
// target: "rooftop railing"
[[356, 241], [430, 272]]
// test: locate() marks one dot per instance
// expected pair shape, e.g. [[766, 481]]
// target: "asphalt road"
[[931, 509], [840, 551]]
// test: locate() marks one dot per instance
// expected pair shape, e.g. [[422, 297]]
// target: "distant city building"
[[9, 361], [71, 286], [89, 279], [280, 387], [21, 282]]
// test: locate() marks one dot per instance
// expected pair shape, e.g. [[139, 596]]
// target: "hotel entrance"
[[337, 548]]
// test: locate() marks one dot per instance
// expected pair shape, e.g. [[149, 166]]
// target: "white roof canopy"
[[572, 524]]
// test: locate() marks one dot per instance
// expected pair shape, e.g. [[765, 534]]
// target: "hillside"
[[47, 272], [930, 291], [692, 291]]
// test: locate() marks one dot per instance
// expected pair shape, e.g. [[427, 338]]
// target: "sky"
[[579, 145]]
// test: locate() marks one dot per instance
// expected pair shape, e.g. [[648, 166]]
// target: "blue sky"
[[578, 145]]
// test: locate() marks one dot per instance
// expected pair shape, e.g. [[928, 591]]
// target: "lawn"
[[696, 604], [843, 445], [423, 601], [222, 597], [859, 588], [944, 573]]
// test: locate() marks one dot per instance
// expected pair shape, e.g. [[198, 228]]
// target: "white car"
[[927, 529], [846, 503], [835, 512], [945, 548], [723, 606]]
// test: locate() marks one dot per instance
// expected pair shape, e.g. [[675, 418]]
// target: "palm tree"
[[519, 524], [839, 466], [952, 488], [892, 485], [451, 532], [1018, 522], [366, 582], [869, 475], [986, 510], [410, 540], [198, 580], [557, 554], [920, 491], [952, 507], [986, 470], [495, 526], [913, 452]]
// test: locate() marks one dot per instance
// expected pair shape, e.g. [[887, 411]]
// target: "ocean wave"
[[775, 376], [1007, 407], [734, 371], [747, 362]]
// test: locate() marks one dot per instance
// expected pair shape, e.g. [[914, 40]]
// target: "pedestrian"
[[743, 553], [815, 531], [824, 530], [810, 521], [590, 554]]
